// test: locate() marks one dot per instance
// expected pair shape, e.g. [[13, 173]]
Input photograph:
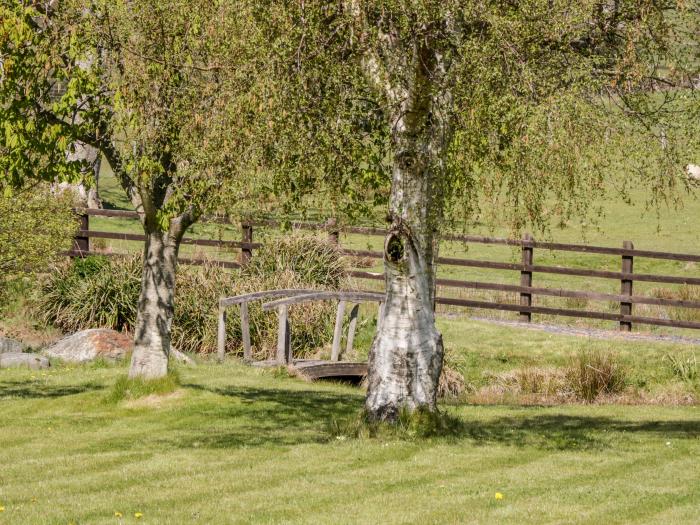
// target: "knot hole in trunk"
[[394, 249]]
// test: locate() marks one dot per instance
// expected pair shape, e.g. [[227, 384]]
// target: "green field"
[[241, 445]]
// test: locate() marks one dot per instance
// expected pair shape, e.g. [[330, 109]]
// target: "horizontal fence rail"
[[525, 290]]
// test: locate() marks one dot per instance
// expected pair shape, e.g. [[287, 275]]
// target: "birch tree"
[[463, 107], [162, 90]]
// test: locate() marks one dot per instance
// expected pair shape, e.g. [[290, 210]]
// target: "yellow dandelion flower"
[[138, 515], [2, 509], [499, 495], [117, 514]]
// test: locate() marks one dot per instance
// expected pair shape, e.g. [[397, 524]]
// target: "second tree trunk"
[[155, 308]]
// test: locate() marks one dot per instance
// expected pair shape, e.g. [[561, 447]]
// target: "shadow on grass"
[[36, 390], [565, 432], [261, 417]]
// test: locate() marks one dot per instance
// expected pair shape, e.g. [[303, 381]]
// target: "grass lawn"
[[240, 445]]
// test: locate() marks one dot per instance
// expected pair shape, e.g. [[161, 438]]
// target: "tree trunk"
[[405, 360], [155, 308]]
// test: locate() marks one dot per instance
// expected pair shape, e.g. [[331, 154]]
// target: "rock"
[[181, 357], [10, 345], [88, 345], [693, 171], [20, 360]]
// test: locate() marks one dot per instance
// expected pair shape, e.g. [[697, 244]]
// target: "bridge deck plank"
[[317, 369]]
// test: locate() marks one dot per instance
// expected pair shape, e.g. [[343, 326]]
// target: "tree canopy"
[[539, 97]]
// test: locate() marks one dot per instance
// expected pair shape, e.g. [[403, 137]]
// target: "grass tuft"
[[126, 389], [409, 425], [685, 367], [595, 373]]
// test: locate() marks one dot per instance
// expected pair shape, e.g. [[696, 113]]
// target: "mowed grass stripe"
[[241, 446]]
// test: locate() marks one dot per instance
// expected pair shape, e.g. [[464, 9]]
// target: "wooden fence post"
[[626, 285], [221, 339], [338, 332], [526, 278], [81, 242], [246, 237], [333, 232], [284, 349]]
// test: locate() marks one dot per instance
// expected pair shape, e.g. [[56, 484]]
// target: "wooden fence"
[[525, 289]]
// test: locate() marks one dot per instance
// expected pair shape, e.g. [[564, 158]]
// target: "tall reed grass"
[[103, 292]]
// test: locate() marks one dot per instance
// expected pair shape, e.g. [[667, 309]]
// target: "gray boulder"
[[88, 345], [181, 357], [22, 360], [10, 345]]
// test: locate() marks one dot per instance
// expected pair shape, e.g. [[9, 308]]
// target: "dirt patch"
[[155, 400], [497, 395]]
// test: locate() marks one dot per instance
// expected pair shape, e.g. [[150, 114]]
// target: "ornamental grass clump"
[[593, 374], [92, 292], [310, 259], [103, 292]]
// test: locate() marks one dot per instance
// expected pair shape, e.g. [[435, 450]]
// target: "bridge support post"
[[338, 332], [221, 334], [284, 350], [245, 333], [351, 329]]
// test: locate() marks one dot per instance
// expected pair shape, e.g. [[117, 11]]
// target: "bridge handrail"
[[243, 301], [282, 305], [245, 298], [355, 297]]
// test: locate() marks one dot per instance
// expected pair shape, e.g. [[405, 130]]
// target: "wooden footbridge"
[[282, 300]]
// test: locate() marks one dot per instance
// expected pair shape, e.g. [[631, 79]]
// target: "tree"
[[467, 106], [161, 89]]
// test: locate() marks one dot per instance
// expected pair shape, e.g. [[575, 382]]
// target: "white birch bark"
[[406, 356], [87, 197]]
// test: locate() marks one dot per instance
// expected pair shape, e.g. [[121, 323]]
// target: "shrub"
[[35, 226], [103, 292], [594, 373]]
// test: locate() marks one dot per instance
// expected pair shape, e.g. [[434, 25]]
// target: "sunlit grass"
[[259, 447], [241, 445]]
